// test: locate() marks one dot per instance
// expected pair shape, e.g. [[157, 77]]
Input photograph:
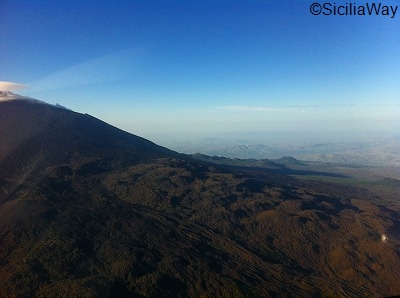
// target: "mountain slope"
[[38, 131], [88, 210]]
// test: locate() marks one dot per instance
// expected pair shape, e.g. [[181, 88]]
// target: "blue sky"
[[181, 67]]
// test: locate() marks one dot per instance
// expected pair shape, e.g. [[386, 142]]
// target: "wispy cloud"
[[9, 86], [103, 69], [262, 108], [295, 107], [247, 108]]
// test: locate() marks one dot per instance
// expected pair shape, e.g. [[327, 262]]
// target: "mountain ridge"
[[45, 129], [10, 96]]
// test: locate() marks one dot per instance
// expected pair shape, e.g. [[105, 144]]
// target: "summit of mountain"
[[88, 210], [9, 96]]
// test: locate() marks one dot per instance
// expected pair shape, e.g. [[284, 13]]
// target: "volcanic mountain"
[[88, 210]]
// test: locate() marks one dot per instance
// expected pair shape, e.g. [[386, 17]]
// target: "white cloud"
[[9, 86]]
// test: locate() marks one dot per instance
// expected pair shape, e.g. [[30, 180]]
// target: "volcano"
[[88, 210]]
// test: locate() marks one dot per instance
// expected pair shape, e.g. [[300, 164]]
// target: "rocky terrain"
[[88, 210]]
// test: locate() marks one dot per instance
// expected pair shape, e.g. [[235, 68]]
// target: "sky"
[[176, 69]]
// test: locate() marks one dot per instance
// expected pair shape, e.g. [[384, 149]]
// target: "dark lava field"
[[88, 210]]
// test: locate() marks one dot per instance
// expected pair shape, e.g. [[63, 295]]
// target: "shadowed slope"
[[31, 131]]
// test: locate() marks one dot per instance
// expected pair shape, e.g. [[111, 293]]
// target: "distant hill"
[[288, 160], [383, 150], [236, 161], [88, 210]]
